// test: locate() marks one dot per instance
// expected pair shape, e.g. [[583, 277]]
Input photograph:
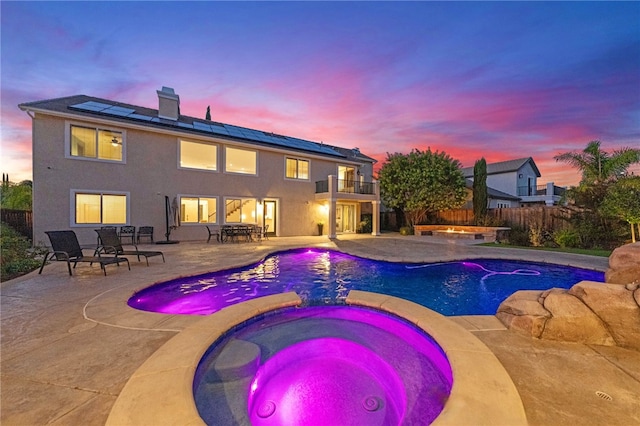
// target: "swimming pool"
[[320, 276]]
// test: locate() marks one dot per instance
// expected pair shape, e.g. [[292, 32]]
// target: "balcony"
[[548, 194], [347, 186], [346, 189]]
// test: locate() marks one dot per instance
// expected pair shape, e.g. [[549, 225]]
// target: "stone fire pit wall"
[[489, 234]]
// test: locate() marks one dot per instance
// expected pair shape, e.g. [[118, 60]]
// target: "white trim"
[[217, 146], [67, 142], [72, 206], [288, 179], [216, 197], [257, 173]]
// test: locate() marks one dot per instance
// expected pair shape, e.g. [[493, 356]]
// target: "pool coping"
[[161, 390]]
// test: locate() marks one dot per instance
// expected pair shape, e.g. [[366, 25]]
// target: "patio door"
[[345, 218], [269, 217]]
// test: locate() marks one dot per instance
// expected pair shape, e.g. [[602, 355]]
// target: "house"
[[100, 162], [496, 199], [518, 178]]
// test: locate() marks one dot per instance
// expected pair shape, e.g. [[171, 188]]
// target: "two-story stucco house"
[[514, 183], [100, 162]]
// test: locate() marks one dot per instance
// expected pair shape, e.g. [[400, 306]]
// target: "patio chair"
[[213, 231], [110, 244], [145, 232], [264, 232], [66, 248], [128, 232]]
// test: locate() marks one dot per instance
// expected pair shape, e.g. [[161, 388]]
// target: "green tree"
[[421, 182], [623, 201], [598, 166], [16, 196], [480, 195]]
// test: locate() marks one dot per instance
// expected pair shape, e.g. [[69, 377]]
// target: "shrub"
[[17, 256], [406, 230], [567, 238], [365, 226], [519, 236]]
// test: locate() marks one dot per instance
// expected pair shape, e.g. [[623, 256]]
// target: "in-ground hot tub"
[[161, 391], [329, 365]]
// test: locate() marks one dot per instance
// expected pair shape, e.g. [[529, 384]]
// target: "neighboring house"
[[496, 199], [99, 162], [519, 178]]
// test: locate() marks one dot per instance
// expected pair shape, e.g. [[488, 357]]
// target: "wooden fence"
[[545, 217], [20, 220]]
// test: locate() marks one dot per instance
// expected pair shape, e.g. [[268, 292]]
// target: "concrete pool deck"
[[70, 344]]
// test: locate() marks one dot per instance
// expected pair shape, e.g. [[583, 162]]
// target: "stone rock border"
[[589, 312]]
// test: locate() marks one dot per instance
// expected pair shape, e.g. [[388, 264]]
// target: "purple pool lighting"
[[319, 276], [328, 365]]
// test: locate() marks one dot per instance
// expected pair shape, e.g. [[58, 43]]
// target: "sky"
[[499, 80]]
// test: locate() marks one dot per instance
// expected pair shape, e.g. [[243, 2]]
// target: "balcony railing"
[[347, 186], [525, 191]]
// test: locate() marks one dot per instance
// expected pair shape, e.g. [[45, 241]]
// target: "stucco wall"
[[151, 172]]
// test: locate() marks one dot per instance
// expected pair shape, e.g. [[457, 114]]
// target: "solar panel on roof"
[[91, 106], [212, 127], [140, 117], [119, 110], [201, 126]]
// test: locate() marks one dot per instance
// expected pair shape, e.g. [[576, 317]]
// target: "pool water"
[[319, 276], [326, 365]]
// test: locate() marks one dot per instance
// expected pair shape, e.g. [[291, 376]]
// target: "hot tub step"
[[238, 359]]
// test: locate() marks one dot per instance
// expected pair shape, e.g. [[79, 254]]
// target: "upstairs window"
[[297, 169], [95, 143], [242, 161], [100, 209], [195, 155]]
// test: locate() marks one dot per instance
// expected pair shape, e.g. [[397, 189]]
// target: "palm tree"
[[598, 166]]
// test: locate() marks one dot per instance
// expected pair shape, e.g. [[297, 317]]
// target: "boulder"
[[624, 265], [572, 321], [616, 307], [630, 274], [523, 313]]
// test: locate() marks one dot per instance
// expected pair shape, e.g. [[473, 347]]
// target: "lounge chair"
[[66, 248], [110, 244]]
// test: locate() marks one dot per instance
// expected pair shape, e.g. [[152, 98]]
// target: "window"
[[195, 155], [198, 210], [89, 142], [100, 209], [241, 161], [240, 210], [297, 169]]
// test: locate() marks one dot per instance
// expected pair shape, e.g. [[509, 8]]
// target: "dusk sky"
[[502, 80]]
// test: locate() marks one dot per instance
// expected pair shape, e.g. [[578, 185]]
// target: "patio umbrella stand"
[[167, 211]]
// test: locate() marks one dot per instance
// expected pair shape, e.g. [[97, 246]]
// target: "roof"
[[87, 106], [504, 167], [494, 193]]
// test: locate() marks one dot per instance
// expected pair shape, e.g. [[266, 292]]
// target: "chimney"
[[168, 103]]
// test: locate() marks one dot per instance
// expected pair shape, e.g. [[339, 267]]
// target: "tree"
[[16, 196], [480, 196], [623, 201], [421, 182], [598, 166], [208, 115]]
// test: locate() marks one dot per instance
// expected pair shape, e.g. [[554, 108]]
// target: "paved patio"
[[69, 344]]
